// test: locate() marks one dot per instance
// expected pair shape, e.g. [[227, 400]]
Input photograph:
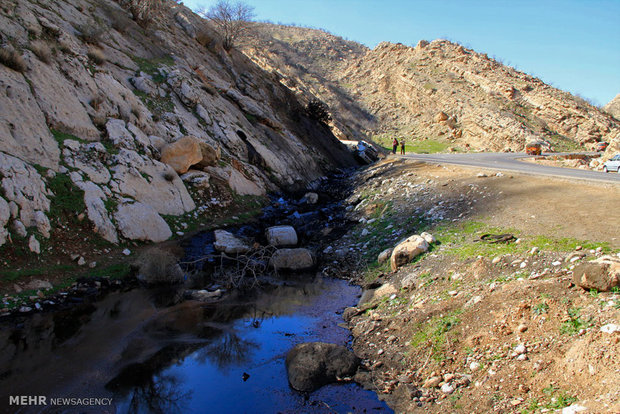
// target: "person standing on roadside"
[[402, 147], [394, 146]]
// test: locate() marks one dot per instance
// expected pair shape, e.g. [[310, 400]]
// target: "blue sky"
[[573, 45]]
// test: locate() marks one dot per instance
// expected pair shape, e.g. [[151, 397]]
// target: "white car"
[[613, 164]]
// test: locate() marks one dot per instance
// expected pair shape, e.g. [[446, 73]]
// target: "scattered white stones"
[[610, 328]]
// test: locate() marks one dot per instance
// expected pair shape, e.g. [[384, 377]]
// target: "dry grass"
[[12, 59], [91, 33], [42, 50], [97, 55]]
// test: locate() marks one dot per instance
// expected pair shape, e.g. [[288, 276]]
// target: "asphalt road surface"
[[510, 161]]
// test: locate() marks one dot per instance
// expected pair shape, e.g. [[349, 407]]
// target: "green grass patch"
[[574, 324], [462, 240], [541, 308], [62, 136], [413, 145], [434, 333], [113, 271], [68, 200], [152, 66], [558, 398], [13, 275], [157, 105]]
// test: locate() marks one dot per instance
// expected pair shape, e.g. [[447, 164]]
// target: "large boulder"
[[210, 155], [227, 242], [601, 274], [281, 236], [22, 185], [182, 154], [139, 221], [149, 182], [407, 250], [29, 139], [311, 365], [292, 259]]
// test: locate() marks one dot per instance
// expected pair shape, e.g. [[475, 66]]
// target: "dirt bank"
[[477, 327]]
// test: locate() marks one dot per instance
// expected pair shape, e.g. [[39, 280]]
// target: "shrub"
[[231, 20], [97, 55], [91, 33], [318, 110], [12, 59], [42, 50], [158, 266], [144, 11]]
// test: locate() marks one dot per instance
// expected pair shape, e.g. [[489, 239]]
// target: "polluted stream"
[[144, 350]]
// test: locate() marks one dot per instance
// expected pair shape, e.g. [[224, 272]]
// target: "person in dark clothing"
[[402, 147], [394, 146]]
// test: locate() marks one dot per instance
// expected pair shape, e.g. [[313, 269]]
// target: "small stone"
[[522, 357], [126, 252], [448, 377], [447, 389], [25, 309], [474, 366], [81, 261], [380, 352], [515, 402], [522, 328], [92, 265], [496, 260], [432, 382], [556, 263], [520, 349], [534, 250], [34, 245], [523, 265], [365, 232]]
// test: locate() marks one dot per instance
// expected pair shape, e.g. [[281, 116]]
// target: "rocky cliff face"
[[90, 102], [613, 107], [438, 90]]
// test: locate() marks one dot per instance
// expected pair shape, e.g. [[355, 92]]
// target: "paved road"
[[509, 161]]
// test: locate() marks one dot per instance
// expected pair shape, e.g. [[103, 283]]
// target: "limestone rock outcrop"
[[137, 221]]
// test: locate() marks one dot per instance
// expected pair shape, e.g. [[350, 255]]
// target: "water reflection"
[[161, 395], [229, 349]]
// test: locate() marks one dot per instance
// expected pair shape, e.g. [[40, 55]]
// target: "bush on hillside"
[[42, 50], [145, 11], [318, 110], [12, 59]]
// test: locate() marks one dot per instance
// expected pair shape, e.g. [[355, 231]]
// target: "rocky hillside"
[[309, 61], [133, 131], [613, 107], [439, 91]]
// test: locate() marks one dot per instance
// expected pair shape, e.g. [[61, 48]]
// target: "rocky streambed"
[[216, 342]]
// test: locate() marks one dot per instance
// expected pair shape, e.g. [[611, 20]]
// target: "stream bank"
[[150, 350]]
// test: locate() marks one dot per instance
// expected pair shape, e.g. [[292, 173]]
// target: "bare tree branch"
[[231, 20]]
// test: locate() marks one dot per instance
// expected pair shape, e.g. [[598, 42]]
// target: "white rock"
[[610, 328], [227, 242], [365, 232], [19, 228], [94, 198], [311, 198], [81, 261], [281, 236], [139, 221], [430, 239], [405, 252], [556, 263], [474, 366], [126, 252], [42, 223], [520, 349], [23, 185], [572, 409], [292, 259], [447, 388], [34, 245], [23, 130]]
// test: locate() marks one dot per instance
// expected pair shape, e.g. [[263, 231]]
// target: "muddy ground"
[[478, 327]]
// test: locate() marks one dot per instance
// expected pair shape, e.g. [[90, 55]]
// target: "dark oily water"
[[240, 368], [191, 357]]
